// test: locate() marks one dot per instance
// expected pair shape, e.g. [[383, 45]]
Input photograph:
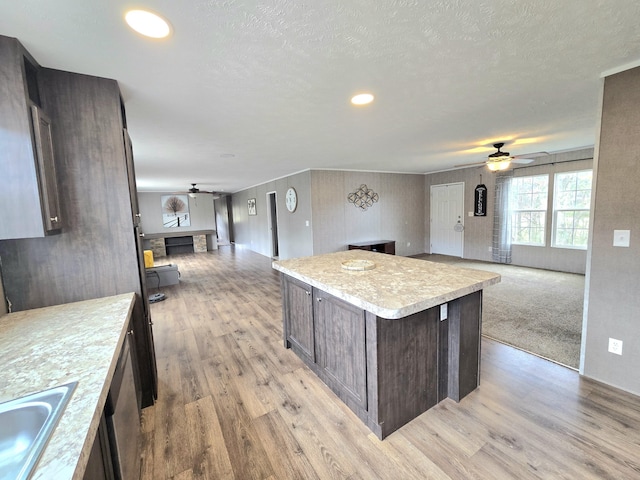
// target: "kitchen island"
[[391, 336]]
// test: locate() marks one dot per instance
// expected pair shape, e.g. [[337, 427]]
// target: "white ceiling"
[[270, 81]]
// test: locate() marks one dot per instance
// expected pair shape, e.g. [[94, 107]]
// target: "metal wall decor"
[[363, 197]]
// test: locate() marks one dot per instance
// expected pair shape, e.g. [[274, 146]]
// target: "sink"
[[26, 424]]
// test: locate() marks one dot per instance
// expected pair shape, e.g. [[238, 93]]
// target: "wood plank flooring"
[[234, 404]]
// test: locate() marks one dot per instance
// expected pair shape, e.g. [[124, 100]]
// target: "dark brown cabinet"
[[47, 177], [387, 371], [29, 183], [298, 300], [330, 334], [340, 346], [100, 464], [98, 253]]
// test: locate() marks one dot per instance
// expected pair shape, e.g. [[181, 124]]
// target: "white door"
[[447, 219]]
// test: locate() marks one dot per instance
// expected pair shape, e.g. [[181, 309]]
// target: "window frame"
[[513, 212], [556, 210]]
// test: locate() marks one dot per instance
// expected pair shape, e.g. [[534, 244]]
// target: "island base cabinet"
[[386, 371]]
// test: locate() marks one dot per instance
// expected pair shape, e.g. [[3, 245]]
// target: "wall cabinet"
[[99, 252], [29, 183]]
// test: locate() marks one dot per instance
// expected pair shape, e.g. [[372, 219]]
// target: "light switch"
[[307, 223], [470, 214], [621, 238]]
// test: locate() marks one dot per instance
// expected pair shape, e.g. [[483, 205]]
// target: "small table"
[[382, 246]]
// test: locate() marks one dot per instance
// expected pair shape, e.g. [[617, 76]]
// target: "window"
[[529, 209], [571, 204]]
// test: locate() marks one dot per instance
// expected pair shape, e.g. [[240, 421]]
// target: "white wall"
[[201, 212]]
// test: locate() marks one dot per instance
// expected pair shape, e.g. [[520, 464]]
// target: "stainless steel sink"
[[26, 424]]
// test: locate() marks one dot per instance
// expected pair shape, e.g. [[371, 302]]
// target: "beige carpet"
[[539, 311]]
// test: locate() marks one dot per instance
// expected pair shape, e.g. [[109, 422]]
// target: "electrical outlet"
[[615, 346], [490, 249], [408, 244]]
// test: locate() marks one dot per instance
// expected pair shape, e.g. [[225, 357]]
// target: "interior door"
[[447, 219], [273, 223]]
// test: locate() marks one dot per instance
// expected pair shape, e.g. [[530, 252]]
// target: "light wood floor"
[[234, 404]]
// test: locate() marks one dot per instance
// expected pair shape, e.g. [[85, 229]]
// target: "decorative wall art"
[[175, 211], [480, 201], [363, 197], [251, 205]]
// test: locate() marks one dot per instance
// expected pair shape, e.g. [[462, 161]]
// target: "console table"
[[382, 246]]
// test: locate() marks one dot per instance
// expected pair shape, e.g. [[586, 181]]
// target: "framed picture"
[[175, 211], [251, 205]]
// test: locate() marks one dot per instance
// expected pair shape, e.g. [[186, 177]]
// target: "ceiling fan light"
[[498, 165]]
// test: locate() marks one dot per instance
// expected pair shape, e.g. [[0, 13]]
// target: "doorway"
[[447, 211], [272, 221]]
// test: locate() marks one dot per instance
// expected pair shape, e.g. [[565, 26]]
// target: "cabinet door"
[[131, 174], [99, 464], [340, 346], [47, 177], [299, 317]]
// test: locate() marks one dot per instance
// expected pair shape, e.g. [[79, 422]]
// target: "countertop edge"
[[391, 314], [51, 346]]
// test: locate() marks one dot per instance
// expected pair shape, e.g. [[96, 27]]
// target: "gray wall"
[[333, 222], [612, 306], [398, 215], [200, 210], [478, 231], [253, 231]]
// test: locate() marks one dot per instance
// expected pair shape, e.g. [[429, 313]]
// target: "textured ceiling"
[[270, 81]]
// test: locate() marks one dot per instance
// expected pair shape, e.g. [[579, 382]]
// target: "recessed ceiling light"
[[362, 99], [147, 23]]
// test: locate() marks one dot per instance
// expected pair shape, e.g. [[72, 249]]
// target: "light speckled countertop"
[[47, 347], [396, 287]]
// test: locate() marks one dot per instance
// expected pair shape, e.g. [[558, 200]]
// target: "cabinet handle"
[[54, 219], [142, 235], [308, 292], [130, 332], [138, 215], [319, 300]]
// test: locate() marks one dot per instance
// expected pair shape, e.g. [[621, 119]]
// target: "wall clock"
[[291, 199]]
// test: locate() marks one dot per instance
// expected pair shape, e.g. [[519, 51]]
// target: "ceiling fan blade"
[[531, 156], [522, 161], [470, 164]]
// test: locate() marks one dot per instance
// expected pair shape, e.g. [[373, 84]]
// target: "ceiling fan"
[[500, 160], [194, 190]]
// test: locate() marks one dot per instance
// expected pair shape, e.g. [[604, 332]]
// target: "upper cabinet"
[[28, 184]]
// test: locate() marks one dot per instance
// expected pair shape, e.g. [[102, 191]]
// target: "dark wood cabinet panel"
[[381, 246], [98, 252], [28, 182], [47, 177], [340, 346], [387, 371], [299, 324]]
